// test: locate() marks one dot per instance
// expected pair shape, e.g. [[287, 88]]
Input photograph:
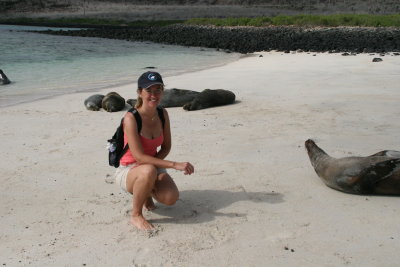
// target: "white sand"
[[254, 192]]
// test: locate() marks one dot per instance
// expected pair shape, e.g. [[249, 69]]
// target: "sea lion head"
[[94, 102], [317, 156], [312, 149]]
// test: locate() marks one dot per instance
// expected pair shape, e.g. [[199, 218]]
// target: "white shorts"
[[122, 173]]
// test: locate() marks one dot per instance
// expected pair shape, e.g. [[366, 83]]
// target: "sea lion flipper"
[[346, 183], [376, 173], [387, 153]]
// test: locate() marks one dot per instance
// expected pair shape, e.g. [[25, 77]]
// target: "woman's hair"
[[139, 100]]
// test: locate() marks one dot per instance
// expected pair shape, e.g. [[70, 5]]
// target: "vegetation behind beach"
[[363, 20]]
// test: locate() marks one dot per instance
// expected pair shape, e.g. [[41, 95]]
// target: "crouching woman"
[[142, 170]]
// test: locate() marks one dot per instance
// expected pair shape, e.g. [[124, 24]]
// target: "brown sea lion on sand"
[[94, 102], [177, 97], [375, 174], [192, 100], [113, 102], [172, 98], [131, 102], [210, 98]]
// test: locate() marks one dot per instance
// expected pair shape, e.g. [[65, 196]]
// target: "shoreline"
[[110, 88], [11, 98], [254, 197]]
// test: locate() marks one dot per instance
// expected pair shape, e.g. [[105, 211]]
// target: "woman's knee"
[[171, 197], [167, 194], [143, 174], [167, 198], [166, 191], [148, 171]]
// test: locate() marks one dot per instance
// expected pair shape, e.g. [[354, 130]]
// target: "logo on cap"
[[152, 77]]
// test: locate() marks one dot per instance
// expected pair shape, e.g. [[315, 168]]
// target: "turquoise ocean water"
[[41, 65]]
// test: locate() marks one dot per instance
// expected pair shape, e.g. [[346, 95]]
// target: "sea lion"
[[3, 78], [177, 97], [173, 98], [376, 174], [210, 98], [94, 102], [131, 102], [113, 102]]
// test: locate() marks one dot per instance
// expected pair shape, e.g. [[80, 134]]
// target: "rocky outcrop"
[[251, 39]]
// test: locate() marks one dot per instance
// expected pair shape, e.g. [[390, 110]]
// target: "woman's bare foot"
[[140, 222], [149, 204]]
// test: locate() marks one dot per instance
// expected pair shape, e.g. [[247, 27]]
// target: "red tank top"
[[149, 146]]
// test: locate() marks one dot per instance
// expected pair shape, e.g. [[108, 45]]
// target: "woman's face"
[[152, 95]]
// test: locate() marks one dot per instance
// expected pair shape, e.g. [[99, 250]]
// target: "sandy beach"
[[254, 199]]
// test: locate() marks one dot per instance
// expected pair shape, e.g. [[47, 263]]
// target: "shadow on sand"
[[198, 206]]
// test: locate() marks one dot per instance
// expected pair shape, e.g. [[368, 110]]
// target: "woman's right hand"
[[186, 167]]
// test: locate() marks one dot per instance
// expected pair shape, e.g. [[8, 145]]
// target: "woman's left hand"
[[186, 167]]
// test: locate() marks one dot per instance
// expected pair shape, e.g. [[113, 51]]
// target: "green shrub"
[[299, 20]]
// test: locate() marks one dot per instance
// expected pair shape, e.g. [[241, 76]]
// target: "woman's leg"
[[141, 182], [165, 190]]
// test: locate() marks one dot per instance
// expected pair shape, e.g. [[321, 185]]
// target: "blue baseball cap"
[[149, 78]]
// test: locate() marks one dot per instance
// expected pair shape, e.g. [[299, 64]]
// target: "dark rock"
[[252, 39], [377, 59], [3, 78]]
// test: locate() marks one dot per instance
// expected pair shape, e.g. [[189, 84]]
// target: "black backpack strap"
[[136, 114], [124, 151], [160, 111]]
